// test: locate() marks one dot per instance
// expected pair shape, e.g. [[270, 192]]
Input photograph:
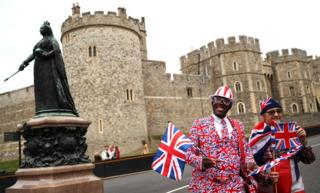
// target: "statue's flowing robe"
[[52, 94]]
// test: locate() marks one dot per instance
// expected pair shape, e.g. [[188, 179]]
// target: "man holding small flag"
[[169, 160], [215, 153], [276, 145]]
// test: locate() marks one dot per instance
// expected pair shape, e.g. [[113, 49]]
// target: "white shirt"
[[104, 155], [218, 125]]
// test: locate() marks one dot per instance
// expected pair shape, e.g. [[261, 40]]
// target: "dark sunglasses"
[[222, 100], [272, 112]]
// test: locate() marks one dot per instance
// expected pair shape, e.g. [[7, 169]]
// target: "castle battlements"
[[285, 55], [243, 44], [99, 18], [219, 46]]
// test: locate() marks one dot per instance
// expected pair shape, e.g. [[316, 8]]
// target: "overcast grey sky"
[[174, 27]]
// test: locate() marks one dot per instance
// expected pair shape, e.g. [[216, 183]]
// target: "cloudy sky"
[[174, 27]]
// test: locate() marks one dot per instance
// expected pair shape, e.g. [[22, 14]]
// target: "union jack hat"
[[267, 104], [225, 92]]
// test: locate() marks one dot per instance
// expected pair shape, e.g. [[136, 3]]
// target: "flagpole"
[[274, 170]]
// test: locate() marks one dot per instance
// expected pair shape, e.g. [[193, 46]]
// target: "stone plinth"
[[54, 141], [61, 179]]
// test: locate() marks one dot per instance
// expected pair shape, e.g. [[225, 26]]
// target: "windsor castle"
[[129, 97]]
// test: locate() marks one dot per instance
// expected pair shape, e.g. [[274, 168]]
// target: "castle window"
[[308, 90], [94, 51], [235, 66], [259, 85], [237, 86], [289, 75], [294, 108], [128, 97], [67, 38], [90, 51], [100, 126], [129, 94], [241, 108], [311, 107], [189, 92], [291, 90]]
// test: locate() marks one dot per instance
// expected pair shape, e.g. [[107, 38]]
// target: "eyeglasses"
[[272, 112], [222, 100]]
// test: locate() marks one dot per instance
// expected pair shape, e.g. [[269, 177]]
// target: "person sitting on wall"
[[117, 152], [145, 147], [112, 152], [105, 153], [97, 157]]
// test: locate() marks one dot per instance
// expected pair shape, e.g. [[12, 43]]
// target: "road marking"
[[174, 190], [315, 145]]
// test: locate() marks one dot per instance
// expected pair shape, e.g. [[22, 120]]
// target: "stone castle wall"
[[15, 107], [167, 98], [129, 97], [107, 84]]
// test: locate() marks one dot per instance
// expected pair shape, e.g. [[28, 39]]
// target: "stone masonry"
[[129, 97]]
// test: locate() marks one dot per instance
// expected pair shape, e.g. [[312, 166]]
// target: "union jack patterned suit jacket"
[[225, 175]]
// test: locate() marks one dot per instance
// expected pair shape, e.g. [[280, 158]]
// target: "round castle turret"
[[103, 55]]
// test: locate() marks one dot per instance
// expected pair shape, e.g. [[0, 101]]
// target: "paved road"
[[151, 182]]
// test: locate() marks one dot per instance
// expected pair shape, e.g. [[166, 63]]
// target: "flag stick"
[[274, 170]]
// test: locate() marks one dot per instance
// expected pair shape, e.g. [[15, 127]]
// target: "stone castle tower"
[[103, 55], [129, 97], [237, 64], [293, 80]]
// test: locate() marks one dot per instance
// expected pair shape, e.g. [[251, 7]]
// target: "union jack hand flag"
[[285, 136], [260, 139], [169, 160], [271, 164]]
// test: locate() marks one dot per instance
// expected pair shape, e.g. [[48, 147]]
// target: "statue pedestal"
[[61, 179], [54, 157]]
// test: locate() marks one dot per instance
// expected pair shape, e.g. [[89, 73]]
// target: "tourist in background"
[[145, 147], [112, 152], [117, 152], [105, 153], [97, 156]]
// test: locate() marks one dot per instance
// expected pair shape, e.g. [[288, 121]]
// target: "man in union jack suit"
[[215, 154], [285, 175]]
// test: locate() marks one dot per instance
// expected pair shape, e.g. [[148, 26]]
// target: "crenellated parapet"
[[99, 18], [220, 46], [232, 45], [191, 58], [285, 56]]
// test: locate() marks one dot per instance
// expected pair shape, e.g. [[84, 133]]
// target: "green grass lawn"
[[9, 166]]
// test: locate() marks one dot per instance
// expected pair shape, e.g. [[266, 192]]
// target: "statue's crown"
[[46, 23]]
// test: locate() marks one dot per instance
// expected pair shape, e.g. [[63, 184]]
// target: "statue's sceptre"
[[11, 76], [21, 68]]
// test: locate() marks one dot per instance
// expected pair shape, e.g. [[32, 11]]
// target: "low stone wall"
[[9, 151]]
